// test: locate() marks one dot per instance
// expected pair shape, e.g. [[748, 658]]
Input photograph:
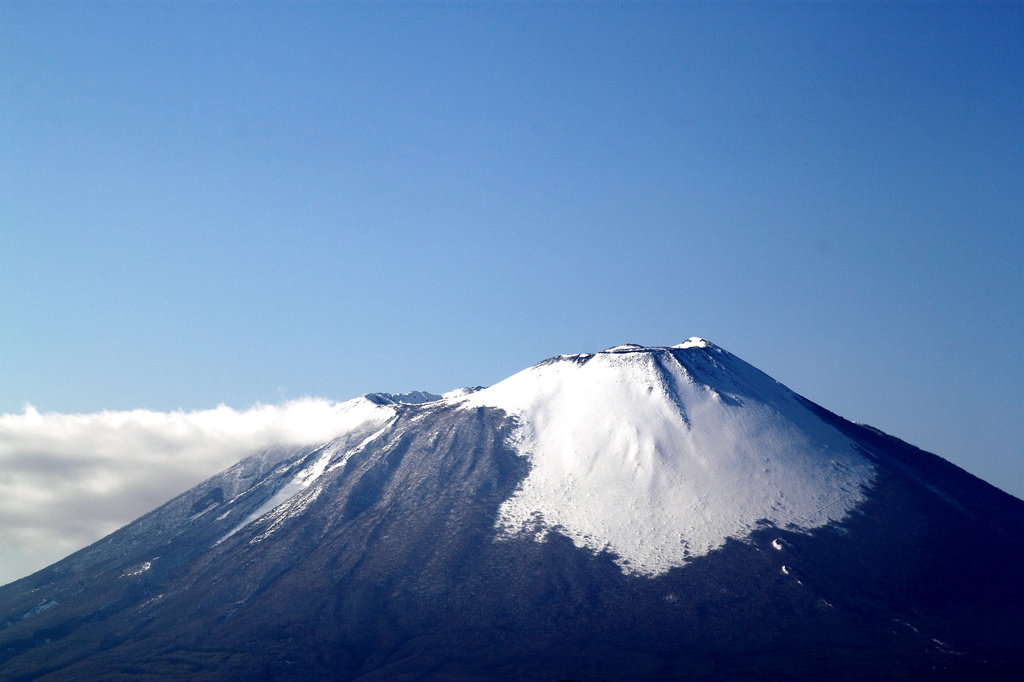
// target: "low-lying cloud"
[[67, 480]]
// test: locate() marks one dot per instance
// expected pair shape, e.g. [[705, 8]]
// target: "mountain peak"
[[692, 342], [697, 448]]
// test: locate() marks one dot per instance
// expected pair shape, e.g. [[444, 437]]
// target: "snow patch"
[[138, 571], [946, 649], [692, 342], [149, 602], [291, 507], [300, 482], [39, 608], [460, 392]]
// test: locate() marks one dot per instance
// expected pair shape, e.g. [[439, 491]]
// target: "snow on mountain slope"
[[659, 454], [366, 417]]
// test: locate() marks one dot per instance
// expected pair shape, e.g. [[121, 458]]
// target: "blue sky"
[[206, 203]]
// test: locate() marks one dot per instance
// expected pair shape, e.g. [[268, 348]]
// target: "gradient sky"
[[242, 203]]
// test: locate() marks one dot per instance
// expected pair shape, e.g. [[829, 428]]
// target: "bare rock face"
[[635, 514]]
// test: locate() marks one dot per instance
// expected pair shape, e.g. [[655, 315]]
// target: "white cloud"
[[67, 480]]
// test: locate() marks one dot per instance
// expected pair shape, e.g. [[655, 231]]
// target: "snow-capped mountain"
[[638, 513]]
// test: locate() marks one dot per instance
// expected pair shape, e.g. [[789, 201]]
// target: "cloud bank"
[[67, 480]]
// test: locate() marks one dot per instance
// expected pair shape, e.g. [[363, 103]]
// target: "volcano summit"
[[665, 513]]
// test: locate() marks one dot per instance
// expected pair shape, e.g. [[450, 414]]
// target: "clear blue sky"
[[231, 202]]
